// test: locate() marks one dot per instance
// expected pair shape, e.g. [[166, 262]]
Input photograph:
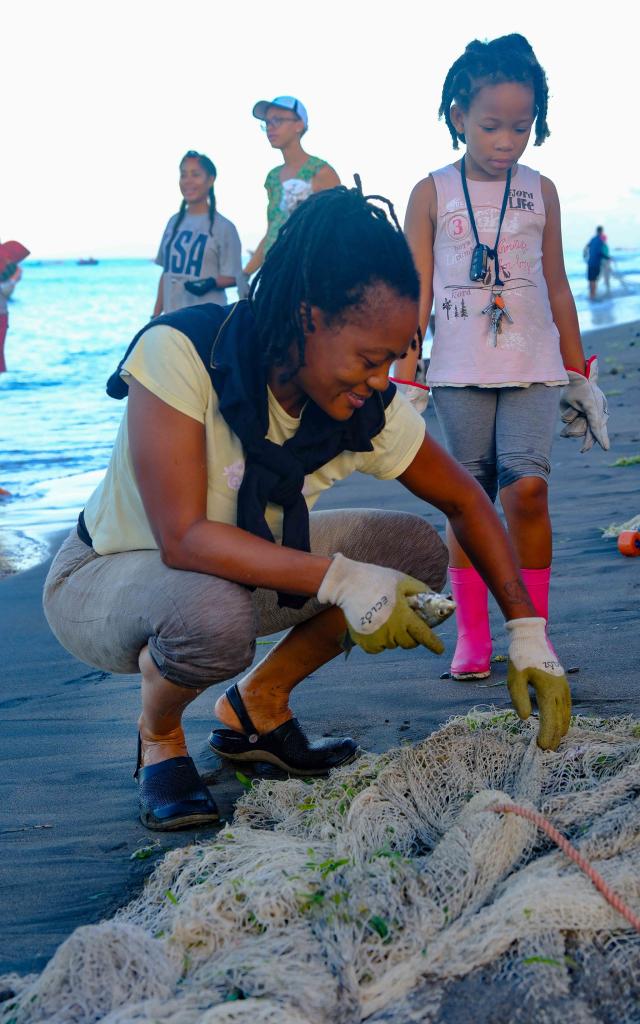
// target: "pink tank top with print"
[[528, 350]]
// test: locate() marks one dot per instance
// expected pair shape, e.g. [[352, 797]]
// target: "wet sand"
[[68, 826]]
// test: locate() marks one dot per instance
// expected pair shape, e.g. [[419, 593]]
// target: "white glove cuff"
[[529, 647], [330, 587]]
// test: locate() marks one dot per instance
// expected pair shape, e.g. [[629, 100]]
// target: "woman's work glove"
[[532, 662], [374, 602], [583, 407]]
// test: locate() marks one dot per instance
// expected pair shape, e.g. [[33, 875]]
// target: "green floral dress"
[[284, 196]]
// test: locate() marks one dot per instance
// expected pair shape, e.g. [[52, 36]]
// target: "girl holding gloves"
[[200, 251], [486, 238]]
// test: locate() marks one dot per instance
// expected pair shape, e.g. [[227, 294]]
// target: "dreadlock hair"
[[507, 59], [335, 246], [209, 168]]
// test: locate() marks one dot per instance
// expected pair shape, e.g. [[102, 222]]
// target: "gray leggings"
[[202, 629], [499, 434]]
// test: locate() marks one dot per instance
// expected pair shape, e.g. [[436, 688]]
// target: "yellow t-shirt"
[[167, 364]]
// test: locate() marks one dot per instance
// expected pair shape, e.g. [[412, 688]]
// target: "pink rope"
[[570, 851]]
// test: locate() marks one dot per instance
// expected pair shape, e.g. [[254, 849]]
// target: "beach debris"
[[614, 530], [244, 780], [144, 852], [23, 828], [434, 608], [396, 889], [630, 460]]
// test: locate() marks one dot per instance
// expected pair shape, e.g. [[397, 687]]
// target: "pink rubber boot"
[[472, 658], [537, 583]]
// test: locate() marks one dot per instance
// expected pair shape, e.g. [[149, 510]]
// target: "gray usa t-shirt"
[[195, 254]]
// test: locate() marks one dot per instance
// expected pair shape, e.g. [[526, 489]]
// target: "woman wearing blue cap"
[[285, 121]]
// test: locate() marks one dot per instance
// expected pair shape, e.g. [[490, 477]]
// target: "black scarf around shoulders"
[[227, 342]]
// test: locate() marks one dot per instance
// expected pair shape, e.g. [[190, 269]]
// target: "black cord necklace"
[[481, 254]]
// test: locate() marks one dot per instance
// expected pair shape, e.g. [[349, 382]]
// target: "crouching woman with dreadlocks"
[[200, 537]]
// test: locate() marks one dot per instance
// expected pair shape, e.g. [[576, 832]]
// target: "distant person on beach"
[[6, 287], [605, 266], [201, 536], [200, 251], [11, 254], [594, 254], [485, 235], [285, 121]]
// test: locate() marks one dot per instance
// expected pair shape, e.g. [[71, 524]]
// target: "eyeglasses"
[[275, 122]]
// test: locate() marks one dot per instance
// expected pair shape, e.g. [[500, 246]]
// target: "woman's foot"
[[155, 749], [285, 745], [266, 708]]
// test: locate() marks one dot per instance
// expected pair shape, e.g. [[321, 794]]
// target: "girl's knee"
[[527, 496]]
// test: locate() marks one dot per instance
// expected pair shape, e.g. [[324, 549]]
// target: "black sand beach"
[[68, 826]]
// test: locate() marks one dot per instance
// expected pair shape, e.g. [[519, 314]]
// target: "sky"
[[102, 99]]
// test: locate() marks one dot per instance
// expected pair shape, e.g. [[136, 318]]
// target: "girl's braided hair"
[[209, 168], [507, 59], [334, 247]]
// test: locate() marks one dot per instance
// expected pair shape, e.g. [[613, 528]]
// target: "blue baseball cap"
[[287, 103]]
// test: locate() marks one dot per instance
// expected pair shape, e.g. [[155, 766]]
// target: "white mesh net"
[[386, 893]]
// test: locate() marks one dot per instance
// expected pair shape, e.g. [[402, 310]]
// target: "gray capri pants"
[[499, 434], [202, 629]]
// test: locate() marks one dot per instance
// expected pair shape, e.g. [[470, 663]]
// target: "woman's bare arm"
[[157, 309], [325, 178], [169, 459], [563, 306], [256, 261], [437, 478], [419, 229]]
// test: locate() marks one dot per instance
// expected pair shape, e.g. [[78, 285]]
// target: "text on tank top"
[[464, 352]]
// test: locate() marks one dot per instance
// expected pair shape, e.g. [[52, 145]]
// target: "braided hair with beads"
[[331, 251], [506, 59], [209, 168]]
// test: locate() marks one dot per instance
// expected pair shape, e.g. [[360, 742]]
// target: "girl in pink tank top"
[[485, 235]]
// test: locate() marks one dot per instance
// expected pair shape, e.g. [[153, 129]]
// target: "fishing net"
[[386, 893]]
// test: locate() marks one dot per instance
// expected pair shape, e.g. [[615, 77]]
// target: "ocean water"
[[69, 326]]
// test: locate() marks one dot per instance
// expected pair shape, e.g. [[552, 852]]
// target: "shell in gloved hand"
[[434, 608]]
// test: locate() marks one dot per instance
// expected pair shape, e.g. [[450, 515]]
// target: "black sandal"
[[287, 746], [172, 795]]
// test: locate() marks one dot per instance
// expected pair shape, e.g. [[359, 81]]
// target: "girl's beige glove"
[[583, 407]]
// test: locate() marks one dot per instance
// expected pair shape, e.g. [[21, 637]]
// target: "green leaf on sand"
[[379, 925], [631, 460]]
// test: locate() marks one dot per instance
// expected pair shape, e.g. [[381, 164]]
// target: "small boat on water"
[[88, 262]]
